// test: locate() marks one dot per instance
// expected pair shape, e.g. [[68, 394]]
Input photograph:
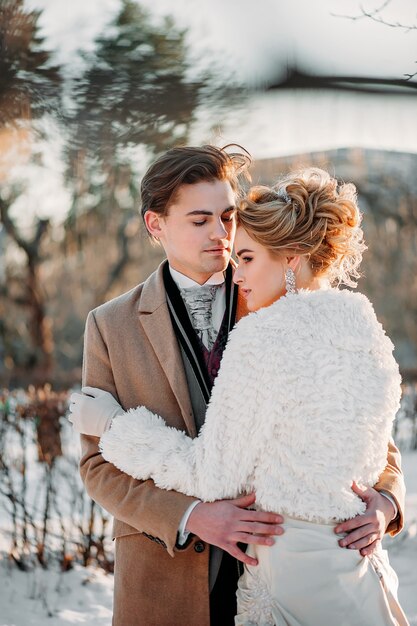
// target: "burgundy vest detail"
[[213, 357]]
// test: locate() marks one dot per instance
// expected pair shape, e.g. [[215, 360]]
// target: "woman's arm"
[[218, 463]]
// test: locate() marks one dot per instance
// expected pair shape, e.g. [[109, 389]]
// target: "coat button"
[[199, 546]]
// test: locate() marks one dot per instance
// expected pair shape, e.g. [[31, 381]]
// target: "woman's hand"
[[92, 411]]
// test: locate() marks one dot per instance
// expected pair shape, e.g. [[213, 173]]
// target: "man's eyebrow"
[[243, 251], [203, 212]]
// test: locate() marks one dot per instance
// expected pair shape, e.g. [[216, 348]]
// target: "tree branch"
[[31, 248], [375, 16], [11, 228]]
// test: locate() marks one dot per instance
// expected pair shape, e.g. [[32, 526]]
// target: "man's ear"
[[153, 223]]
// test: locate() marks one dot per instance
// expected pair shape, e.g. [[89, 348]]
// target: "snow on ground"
[[80, 596], [84, 595]]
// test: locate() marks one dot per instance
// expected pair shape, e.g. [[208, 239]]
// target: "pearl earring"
[[290, 281]]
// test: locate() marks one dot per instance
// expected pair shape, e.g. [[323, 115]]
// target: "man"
[[160, 345]]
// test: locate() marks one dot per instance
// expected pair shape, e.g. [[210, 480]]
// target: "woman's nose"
[[237, 277]]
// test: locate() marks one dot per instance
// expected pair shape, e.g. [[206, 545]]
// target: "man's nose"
[[219, 231]]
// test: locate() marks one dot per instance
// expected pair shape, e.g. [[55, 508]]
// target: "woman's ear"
[[153, 223], [293, 262]]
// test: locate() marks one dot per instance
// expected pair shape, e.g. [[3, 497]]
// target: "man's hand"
[[228, 522], [365, 531], [92, 411]]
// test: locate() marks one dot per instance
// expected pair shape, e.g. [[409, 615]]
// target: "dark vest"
[[212, 363], [201, 365], [213, 357]]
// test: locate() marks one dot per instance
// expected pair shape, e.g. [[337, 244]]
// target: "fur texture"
[[303, 404]]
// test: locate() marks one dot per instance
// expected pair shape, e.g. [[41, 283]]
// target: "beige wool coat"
[[132, 352]]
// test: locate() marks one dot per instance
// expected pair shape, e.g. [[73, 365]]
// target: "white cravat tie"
[[199, 303]]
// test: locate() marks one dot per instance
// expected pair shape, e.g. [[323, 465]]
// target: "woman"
[[303, 403]]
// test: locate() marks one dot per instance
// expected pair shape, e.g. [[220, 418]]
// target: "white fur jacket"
[[303, 405]]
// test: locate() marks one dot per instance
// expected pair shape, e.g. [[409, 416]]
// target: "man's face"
[[198, 232]]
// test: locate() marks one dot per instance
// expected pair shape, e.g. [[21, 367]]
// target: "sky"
[[256, 37], [254, 41]]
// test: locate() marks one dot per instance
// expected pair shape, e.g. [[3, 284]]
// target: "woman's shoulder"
[[322, 306], [343, 307], [325, 312], [335, 300], [337, 296], [326, 297]]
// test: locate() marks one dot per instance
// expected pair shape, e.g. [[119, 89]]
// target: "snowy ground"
[[80, 596], [84, 595]]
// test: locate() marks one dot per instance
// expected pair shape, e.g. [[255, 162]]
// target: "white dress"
[[303, 405]]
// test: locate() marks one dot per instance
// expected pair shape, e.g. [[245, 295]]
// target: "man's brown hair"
[[186, 165]]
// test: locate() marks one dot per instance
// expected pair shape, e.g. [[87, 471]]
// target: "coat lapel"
[[156, 323]]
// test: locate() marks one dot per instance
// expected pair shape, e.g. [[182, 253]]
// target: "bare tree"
[[29, 88], [377, 15]]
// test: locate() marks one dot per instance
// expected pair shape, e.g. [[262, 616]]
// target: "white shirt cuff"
[[389, 497], [183, 533]]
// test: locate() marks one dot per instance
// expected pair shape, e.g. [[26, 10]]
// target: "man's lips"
[[245, 292], [217, 250]]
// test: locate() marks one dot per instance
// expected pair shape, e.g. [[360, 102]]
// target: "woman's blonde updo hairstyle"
[[308, 213]]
